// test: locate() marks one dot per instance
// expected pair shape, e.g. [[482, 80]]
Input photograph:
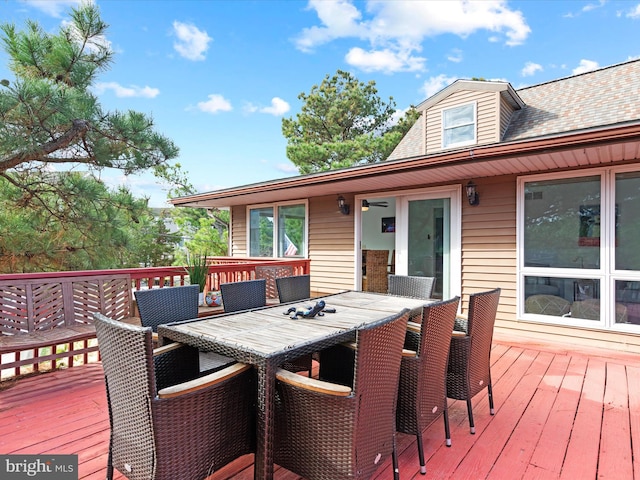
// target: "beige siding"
[[506, 112], [331, 237], [489, 253], [487, 117], [239, 232]]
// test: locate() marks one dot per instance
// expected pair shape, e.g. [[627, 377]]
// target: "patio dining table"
[[267, 338]]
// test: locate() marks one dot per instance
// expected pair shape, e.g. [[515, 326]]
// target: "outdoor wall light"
[[472, 195], [342, 205]]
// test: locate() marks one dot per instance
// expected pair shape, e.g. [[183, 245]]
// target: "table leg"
[[265, 422]]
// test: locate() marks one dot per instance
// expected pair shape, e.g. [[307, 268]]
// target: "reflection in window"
[[289, 229], [562, 297], [261, 232], [627, 302], [459, 125], [562, 223], [627, 230]]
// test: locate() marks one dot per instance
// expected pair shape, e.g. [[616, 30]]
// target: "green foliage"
[[48, 113], [77, 224], [343, 123], [198, 269], [49, 116], [205, 230]]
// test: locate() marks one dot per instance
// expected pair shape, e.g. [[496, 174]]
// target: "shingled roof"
[[604, 97]]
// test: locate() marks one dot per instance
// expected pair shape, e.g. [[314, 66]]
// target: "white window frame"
[[275, 206], [474, 140], [606, 273]]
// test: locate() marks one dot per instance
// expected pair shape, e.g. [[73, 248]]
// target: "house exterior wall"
[[239, 232], [331, 245], [506, 112], [487, 117]]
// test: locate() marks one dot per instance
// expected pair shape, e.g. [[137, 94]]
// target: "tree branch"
[[78, 129]]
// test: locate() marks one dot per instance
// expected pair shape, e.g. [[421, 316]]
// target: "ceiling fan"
[[366, 204]]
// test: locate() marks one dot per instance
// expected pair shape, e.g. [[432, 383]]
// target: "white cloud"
[[287, 168], [530, 69], [126, 92], [278, 107], [455, 56], [192, 43], [55, 8], [634, 12], [385, 60], [585, 66], [215, 104], [395, 30], [592, 6], [435, 84]]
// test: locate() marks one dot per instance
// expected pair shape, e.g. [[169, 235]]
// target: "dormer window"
[[459, 126]]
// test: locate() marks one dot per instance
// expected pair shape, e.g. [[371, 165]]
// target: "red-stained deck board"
[[516, 455], [558, 412], [494, 436], [546, 461], [581, 460], [615, 440], [443, 461], [633, 384]]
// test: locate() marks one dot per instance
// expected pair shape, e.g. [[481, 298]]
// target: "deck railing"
[[41, 312]]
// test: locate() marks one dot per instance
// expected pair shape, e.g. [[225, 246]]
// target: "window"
[[459, 126], [579, 261], [278, 228]]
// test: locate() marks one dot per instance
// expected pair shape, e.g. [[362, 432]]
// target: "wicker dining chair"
[[168, 422], [157, 306], [244, 295], [271, 273], [411, 286], [469, 369], [422, 393], [293, 288], [327, 431]]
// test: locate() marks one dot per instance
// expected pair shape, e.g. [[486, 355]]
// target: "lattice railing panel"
[[13, 309], [86, 300], [48, 306], [117, 298]]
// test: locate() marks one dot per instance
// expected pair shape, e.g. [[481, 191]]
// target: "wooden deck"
[[559, 414]]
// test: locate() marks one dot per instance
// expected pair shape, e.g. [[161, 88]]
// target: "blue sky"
[[218, 76]]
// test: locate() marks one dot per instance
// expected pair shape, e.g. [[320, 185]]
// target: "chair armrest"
[[203, 382], [458, 334], [414, 327], [409, 353], [312, 384], [166, 348]]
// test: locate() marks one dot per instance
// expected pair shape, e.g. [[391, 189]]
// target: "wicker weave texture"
[[325, 437], [411, 286], [469, 357], [376, 268], [169, 304], [291, 289], [237, 296], [271, 273], [187, 436], [422, 394]]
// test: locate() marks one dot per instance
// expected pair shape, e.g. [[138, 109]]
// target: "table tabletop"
[[268, 337]]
